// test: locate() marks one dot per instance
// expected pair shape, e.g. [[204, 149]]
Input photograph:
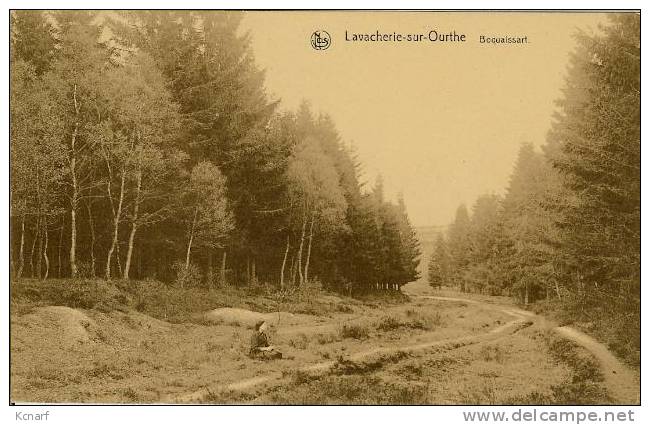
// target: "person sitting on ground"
[[260, 343]]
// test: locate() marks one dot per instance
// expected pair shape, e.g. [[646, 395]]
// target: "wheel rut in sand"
[[621, 382], [520, 321]]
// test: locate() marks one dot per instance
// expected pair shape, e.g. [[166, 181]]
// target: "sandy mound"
[[63, 324], [247, 318], [332, 299]]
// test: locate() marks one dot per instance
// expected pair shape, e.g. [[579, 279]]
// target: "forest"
[[144, 146], [568, 228]]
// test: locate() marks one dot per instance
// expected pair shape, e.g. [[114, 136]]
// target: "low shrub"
[[344, 308], [226, 397], [350, 390], [415, 320], [186, 277], [354, 330], [613, 322], [585, 386], [345, 366], [493, 353], [131, 395], [326, 338], [79, 293], [389, 323], [301, 342]]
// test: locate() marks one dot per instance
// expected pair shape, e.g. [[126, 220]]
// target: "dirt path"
[[620, 381], [519, 321]]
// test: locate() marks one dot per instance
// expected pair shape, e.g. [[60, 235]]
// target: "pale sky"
[[442, 122]]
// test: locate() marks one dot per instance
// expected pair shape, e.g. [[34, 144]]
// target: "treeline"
[[143, 145], [568, 226]]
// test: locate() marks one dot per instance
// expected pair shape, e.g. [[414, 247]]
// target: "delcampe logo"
[[321, 40]]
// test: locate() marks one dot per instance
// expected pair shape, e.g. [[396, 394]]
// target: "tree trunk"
[[12, 264], [284, 263], [129, 252], [39, 252], [31, 253], [60, 247], [253, 272], [21, 252], [116, 223], [248, 270], [526, 295], [45, 257], [139, 257], [222, 274], [210, 273], [311, 237], [92, 239], [118, 258], [294, 269], [189, 243], [73, 243], [189, 250], [75, 190], [134, 226], [302, 243], [39, 229]]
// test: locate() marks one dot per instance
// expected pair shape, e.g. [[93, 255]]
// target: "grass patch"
[[617, 326], [327, 338], [226, 397], [584, 386], [343, 308], [413, 371], [163, 301], [479, 393], [493, 353], [389, 323], [104, 371], [79, 293], [131, 395], [345, 366], [584, 367], [300, 377], [354, 330], [414, 320], [383, 297], [301, 342], [349, 390]]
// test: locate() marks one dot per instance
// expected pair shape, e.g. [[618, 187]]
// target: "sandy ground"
[[475, 348], [622, 383]]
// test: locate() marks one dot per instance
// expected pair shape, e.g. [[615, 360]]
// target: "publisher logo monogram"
[[321, 40]]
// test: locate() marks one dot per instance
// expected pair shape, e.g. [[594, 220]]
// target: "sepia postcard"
[[326, 207]]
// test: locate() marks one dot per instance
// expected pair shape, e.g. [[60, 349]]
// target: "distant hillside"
[[427, 236]]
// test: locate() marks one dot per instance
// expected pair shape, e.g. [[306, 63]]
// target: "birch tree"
[[75, 82], [37, 162], [316, 196], [207, 215]]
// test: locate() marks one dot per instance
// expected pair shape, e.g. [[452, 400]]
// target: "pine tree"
[[458, 242], [529, 226], [485, 256], [410, 245], [33, 39], [595, 144], [438, 270]]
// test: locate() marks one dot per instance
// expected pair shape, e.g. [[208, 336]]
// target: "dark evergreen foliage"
[[169, 161]]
